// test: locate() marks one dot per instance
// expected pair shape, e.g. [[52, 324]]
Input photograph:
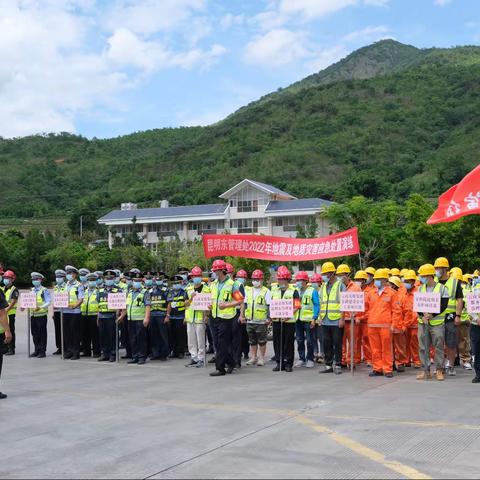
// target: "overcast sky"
[[109, 67]]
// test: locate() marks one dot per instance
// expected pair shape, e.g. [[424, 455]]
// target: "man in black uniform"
[[176, 317], [158, 327]]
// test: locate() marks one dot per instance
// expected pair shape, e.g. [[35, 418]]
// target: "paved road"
[[87, 419]]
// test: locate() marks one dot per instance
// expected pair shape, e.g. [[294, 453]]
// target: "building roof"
[[262, 186], [299, 204], [169, 212]]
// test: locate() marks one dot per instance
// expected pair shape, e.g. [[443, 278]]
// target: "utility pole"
[[81, 226]]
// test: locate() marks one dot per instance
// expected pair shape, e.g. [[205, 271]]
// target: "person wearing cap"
[[343, 274], [39, 316], [369, 287], [223, 313], [307, 317], [118, 274], [284, 328], [99, 274], [196, 319], [360, 279], [176, 299], [138, 312], [11, 296], [72, 316], [5, 333], [257, 303], [315, 283], [399, 326], [331, 318], [82, 276], [431, 326], [410, 320], [158, 326], [107, 318], [89, 309], [380, 307], [124, 337], [59, 287]]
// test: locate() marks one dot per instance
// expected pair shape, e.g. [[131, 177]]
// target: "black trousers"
[[237, 336], [332, 344], [179, 337], [107, 334], [11, 323], [284, 343], [211, 346], [138, 339], [57, 321], [39, 333], [2, 346], [213, 334], [475, 341], [222, 331], [125, 338], [90, 335], [159, 336], [72, 326]]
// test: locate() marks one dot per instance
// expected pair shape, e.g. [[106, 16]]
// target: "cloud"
[[276, 48], [441, 3], [367, 34], [230, 20], [310, 9], [376, 3], [326, 57]]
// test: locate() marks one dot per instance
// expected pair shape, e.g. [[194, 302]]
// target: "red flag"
[[460, 200]]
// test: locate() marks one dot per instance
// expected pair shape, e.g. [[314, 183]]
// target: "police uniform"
[[176, 316], [38, 316], [138, 310], [11, 295], [160, 348], [89, 309], [72, 316], [60, 287], [124, 334], [107, 319]]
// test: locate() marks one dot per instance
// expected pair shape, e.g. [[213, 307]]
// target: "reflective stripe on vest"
[[305, 314], [72, 290], [256, 310], [330, 302], [223, 294], [191, 315], [135, 306], [158, 299], [8, 297], [103, 299], [288, 295], [40, 312], [440, 318], [451, 284], [89, 305], [465, 317]]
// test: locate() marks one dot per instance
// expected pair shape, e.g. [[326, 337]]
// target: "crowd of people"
[[161, 322]]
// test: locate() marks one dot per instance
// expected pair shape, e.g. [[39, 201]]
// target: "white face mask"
[[358, 283], [256, 283]]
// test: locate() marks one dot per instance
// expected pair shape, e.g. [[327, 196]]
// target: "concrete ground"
[[84, 419]]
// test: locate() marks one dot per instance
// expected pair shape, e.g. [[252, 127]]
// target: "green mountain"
[[386, 121]]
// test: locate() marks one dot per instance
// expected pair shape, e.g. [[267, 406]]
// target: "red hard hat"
[[283, 273], [257, 275], [302, 276], [219, 265], [316, 278], [10, 274], [229, 268], [196, 272], [242, 274]]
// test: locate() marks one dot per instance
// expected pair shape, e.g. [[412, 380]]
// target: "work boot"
[[230, 370], [133, 360], [424, 376], [288, 368], [476, 380], [141, 361], [2, 396], [41, 355], [57, 352], [34, 354], [440, 376], [217, 373], [276, 368]]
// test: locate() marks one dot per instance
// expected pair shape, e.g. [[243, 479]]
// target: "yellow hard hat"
[[427, 269], [476, 273], [466, 278], [381, 273], [395, 280], [410, 275], [457, 273], [395, 271], [403, 272], [361, 275], [441, 262], [343, 268], [370, 270], [328, 267]]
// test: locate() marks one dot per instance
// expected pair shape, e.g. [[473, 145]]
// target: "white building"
[[250, 207]]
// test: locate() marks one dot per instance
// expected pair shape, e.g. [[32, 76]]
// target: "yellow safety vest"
[[191, 315], [288, 295], [90, 305], [440, 318], [465, 317], [40, 301], [256, 310], [305, 314], [223, 294], [136, 307], [330, 302], [451, 284], [73, 292], [8, 296]]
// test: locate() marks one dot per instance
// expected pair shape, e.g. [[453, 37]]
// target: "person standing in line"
[[5, 334], [11, 296], [39, 316]]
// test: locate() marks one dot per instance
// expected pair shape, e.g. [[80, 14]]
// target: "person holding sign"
[[431, 326], [59, 287], [89, 308], [381, 306], [5, 333], [39, 316], [257, 301], [284, 327], [11, 296], [72, 316], [307, 317], [331, 318], [107, 318], [196, 319]]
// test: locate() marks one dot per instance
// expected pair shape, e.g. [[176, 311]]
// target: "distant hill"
[[388, 120]]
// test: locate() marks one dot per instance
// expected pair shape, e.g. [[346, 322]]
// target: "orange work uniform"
[[411, 332], [367, 351], [398, 330]]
